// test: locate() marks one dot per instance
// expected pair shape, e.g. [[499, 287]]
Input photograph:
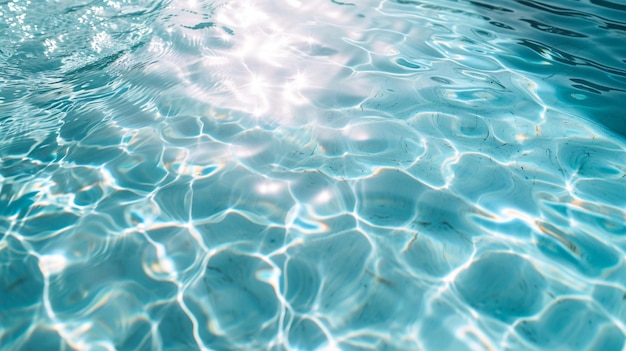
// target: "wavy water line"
[[344, 176]]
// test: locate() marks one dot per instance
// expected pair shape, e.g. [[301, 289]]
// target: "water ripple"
[[334, 175]]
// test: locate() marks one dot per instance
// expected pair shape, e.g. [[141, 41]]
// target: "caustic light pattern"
[[367, 175]]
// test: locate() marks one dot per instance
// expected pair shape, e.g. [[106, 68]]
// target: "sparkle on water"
[[321, 175]]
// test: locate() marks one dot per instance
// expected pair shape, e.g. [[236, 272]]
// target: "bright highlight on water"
[[325, 175]]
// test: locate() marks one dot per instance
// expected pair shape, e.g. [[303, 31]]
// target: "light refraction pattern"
[[291, 175]]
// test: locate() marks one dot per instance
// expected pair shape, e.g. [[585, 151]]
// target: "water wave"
[[182, 175]]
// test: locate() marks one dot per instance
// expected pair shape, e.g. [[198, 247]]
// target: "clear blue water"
[[292, 175]]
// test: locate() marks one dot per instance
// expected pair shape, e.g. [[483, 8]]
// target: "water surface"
[[382, 175]]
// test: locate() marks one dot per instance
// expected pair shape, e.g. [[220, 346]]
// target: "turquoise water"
[[327, 175]]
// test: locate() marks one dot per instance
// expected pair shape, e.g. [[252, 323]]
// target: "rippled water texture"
[[291, 175]]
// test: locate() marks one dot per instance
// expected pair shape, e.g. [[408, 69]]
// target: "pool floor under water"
[[261, 175]]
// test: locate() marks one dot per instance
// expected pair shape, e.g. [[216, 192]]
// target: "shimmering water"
[[291, 175]]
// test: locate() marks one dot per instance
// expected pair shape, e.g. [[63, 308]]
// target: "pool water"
[[323, 175]]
